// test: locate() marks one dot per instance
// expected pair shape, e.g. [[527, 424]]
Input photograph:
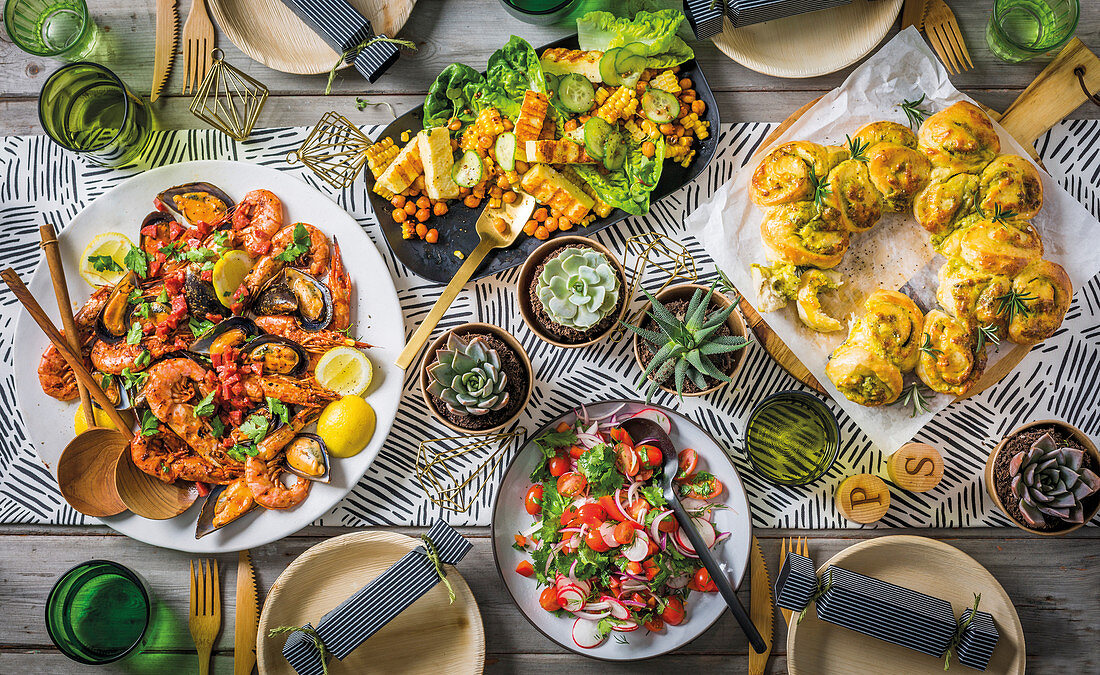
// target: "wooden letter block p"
[[863, 498]]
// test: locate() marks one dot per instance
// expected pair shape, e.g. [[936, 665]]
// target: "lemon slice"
[[346, 426], [345, 370], [102, 419], [229, 273], [103, 261]]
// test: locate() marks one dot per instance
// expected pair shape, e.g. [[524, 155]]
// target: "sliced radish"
[[607, 531], [692, 504], [618, 609], [638, 549], [599, 606], [586, 634], [592, 616], [628, 626], [570, 599], [706, 530], [682, 542], [654, 415]]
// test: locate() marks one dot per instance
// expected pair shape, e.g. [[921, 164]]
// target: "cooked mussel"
[[198, 203], [276, 354], [114, 319], [233, 332], [223, 505], [294, 292], [307, 456], [202, 300], [112, 387], [151, 239]]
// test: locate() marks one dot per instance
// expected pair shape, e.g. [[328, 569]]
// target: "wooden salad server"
[[642, 430], [99, 457], [514, 215]]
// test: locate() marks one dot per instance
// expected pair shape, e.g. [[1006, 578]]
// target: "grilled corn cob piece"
[[599, 207], [402, 171], [549, 187], [489, 124], [641, 129], [557, 152], [668, 81], [623, 103], [693, 124], [380, 154]]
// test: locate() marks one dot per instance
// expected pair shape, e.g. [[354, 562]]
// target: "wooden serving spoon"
[[87, 472], [514, 215]]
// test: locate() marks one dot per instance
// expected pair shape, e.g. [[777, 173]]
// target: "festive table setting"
[[339, 335]]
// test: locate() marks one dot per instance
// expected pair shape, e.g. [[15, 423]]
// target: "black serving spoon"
[[643, 430]]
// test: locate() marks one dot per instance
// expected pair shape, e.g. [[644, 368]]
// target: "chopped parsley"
[[104, 263], [205, 407], [137, 261], [199, 327], [172, 251], [298, 247], [278, 409], [133, 380], [598, 466], [255, 427], [217, 426], [136, 332], [143, 358], [150, 425]]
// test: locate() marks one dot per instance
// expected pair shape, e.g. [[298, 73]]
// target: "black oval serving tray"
[[438, 262]]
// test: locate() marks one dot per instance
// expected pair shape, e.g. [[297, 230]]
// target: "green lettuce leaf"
[[515, 68], [629, 188], [652, 33], [449, 95]]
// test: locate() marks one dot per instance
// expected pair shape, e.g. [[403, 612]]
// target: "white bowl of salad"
[[590, 551]]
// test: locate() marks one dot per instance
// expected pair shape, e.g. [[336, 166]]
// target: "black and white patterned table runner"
[[40, 183]]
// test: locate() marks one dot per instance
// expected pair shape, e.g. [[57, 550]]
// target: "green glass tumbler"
[[97, 612], [792, 438], [540, 12], [1019, 30], [87, 109], [59, 28]]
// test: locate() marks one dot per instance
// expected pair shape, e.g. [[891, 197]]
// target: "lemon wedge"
[[103, 261], [346, 426], [102, 419], [345, 370], [229, 272]]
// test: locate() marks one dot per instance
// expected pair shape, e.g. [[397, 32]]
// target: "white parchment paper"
[[897, 252]]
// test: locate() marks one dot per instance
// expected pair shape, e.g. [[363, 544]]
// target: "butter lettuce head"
[[628, 188], [448, 96], [653, 33]]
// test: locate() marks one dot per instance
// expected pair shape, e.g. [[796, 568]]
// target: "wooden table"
[[1053, 581]]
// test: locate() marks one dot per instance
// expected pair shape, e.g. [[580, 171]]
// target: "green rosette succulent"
[[1051, 480], [468, 377], [578, 288]]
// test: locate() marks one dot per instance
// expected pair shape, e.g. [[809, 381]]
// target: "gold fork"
[[946, 38], [198, 42], [206, 610], [788, 546]]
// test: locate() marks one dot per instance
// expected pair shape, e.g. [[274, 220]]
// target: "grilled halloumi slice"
[[404, 169], [553, 189], [561, 61], [437, 157], [532, 114], [557, 152]]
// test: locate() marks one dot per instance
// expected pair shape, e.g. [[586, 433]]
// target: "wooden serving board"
[[1053, 95]]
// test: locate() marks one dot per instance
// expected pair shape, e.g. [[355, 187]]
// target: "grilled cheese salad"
[[583, 131]]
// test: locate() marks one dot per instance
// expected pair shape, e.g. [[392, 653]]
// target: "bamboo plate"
[[921, 564], [810, 44], [430, 637], [269, 32]]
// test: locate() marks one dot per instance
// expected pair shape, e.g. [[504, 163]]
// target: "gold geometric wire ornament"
[[454, 474], [228, 99], [660, 251], [335, 150]]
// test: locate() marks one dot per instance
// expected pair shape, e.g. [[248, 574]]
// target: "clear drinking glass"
[[1019, 30], [792, 438], [98, 612], [60, 28], [86, 108]]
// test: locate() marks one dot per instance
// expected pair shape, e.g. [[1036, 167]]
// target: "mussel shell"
[[301, 450], [270, 348], [113, 320], [157, 218], [112, 387], [201, 298], [211, 507], [199, 202], [226, 333], [296, 293]]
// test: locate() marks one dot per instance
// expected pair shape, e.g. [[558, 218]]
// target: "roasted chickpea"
[[667, 129], [454, 144], [398, 201], [551, 224], [423, 203], [541, 233], [648, 149], [565, 224], [479, 191], [399, 215], [529, 227], [521, 166], [508, 124], [571, 125], [687, 97], [431, 236], [678, 130], [471, 201], [485, 142], [685, 83], [540, 214], [455, 124], [554, 213], [463, 191], [495, 192], [423, 214], [410, 208], [500, 225], [421, 230], [440, 208], [509, 197], [503, 183], [698, 107]]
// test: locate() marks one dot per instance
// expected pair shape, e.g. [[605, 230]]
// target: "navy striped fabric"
[[796, 583], [978, 640], [376, 604], [747, 12], [343, 28], [704, 17]]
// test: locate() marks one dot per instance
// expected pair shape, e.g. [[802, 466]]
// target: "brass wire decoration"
[[335, 150], [454, 475], [228, 99], [660, 251]]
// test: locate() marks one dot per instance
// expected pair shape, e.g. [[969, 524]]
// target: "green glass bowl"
[[792, 438], [98, 612]]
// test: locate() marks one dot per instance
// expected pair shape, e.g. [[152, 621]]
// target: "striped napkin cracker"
[[796, 583], [344, 28], [747, 12], [978, 640]]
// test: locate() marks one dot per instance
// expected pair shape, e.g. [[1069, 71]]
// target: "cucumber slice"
[[552, 81], [596, 132], [614, 152], [576, 93], [468, 170], [635, 48], [505, 151], [660, 106], [607, 67], [629, 67]]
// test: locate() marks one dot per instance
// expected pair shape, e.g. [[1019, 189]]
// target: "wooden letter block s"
[[916, 467]]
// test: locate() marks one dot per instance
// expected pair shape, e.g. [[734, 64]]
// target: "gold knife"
[[168, 27], [760, 606], [912, 14], [247, 617]]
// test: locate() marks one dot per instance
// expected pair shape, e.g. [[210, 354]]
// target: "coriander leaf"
[[106, 380], [150, 425], [172, 251], [143, 359], [137, 261], [162, 297], [236, 453], [298, 247], [133, 380], [134, 335], [104, 263], [199, 327], [205, 407], [254, 428], [278, 409], [552, 440], [217, 426], [598, 466], [198, 255], [135, 297], [653, 495]]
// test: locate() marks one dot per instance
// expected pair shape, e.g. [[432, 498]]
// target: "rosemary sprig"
[[1000, 216], [407, 44], [914, 112], [928, 348], [820, 187], [987, 334], [914, 397], [1014, 303], [857, 148], [726, 287]]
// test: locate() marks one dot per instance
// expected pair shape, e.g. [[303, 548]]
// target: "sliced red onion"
[[692, 504], [569, 530], [635, 577], [634, 603], [653, 531], [609, 414], [591, 616], [678, 582], [588, 440], [533, 529], [722, 537], [573, 569], [582, 415], [619, 503], [593, 428]]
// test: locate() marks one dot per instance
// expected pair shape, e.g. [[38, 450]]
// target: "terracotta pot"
[[526, 275], [991, 488], [476, 328], [684, 292]]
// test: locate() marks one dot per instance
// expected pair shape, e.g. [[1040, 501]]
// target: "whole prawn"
[[315, 342], [339, 283], [314, 260], [167, 457], [170, 386], [258, 216], [268, 490], [54, 375], [306, 391]]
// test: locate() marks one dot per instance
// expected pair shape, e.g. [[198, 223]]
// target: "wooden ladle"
[[100, 451]]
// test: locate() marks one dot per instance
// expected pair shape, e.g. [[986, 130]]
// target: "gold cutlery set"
[[205, 619], [198, 45]]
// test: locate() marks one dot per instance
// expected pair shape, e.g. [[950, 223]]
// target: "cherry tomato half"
[[549, 599], [592, 515], [532, 502], [669, 524], [624, 533], [673, 613], [651, 455], [701, 486], [525, 568], [595, 541], [571, 484], [558, 465], [702, 582], [689, 460], [654, 624], [619, 435], [611, 508], [568, 516], [638, 508], [626, 460]]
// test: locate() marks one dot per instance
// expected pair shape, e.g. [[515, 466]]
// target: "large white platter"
[[703, 609], [376, 317]]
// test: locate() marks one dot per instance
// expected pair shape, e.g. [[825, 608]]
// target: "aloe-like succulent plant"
[[468, 377], [684, 347], [1052, 480], [578, 288]]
